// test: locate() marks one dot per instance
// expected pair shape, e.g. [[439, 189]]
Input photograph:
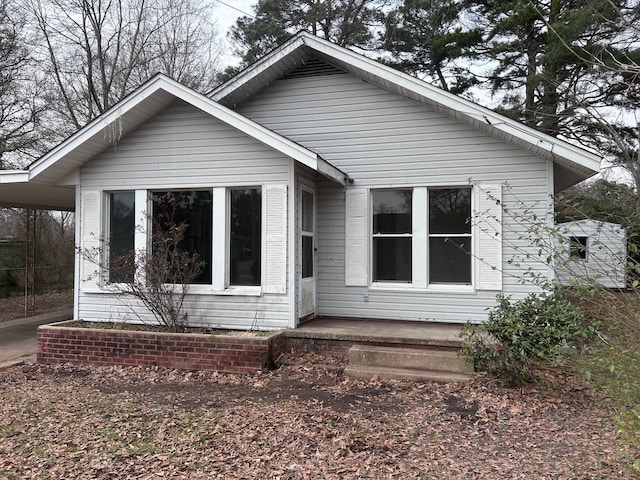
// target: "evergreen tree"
[[542, 55], [344, 22], [569, 68], [426, 38]]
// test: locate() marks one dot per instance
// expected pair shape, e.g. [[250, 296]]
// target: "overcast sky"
[[227, 12]]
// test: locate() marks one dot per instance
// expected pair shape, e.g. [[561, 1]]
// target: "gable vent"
[[313, 68]]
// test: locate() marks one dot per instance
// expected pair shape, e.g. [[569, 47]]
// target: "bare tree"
[[97, 51], [20, 104], [158, 277]]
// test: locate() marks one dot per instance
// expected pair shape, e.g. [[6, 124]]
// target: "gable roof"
[[572, 164], [45, 184]]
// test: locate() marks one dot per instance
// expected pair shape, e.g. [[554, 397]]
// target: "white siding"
[[185, 148], [380, 140]]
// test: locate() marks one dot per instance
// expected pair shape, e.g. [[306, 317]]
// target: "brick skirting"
[[229, 354]]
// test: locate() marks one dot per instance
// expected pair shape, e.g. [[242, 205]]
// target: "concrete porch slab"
[[387, 332]]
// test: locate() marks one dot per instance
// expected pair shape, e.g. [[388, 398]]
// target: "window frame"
[[579, 251], [105, 276], [230, 288], [193, 287]]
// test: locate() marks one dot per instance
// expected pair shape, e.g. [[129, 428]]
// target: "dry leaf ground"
[[303, 421], [13, 307]]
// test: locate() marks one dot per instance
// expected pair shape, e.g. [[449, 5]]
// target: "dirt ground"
[[305, 420], [13, 307]]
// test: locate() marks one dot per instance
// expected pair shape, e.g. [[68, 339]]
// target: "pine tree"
[[425, 37], [344, 22]]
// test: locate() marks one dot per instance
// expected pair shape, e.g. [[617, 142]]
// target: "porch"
[[386, 348]]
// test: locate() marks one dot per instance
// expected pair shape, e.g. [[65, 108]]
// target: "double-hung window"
[[427, 237], [392, 235], [450, 236]]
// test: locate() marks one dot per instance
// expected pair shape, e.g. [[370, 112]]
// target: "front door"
[[306, 253]]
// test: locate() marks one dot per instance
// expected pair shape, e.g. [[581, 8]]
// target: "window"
[[450, 235], [307, 234], [121, 236], [193, 208], [245, 236], [223, 226], [578, 248], [392, 235], [427, 237]]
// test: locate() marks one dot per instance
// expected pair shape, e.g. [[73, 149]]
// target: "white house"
[[593, 251], [359, 182]]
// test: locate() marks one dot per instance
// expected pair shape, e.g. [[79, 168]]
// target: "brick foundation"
[[229, 354]]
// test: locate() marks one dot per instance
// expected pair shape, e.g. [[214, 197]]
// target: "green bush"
[[541, 328]]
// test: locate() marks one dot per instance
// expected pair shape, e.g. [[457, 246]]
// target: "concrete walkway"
[[18, 340]]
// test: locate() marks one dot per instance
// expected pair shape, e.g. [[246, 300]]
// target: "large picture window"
[[450, 235], [392, 235], [245, 236], [193, 208], [121, 230]]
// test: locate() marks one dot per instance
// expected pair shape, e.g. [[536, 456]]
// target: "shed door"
[[306, 253]]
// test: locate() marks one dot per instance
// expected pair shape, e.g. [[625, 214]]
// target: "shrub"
[[541, 328], [612, 361]]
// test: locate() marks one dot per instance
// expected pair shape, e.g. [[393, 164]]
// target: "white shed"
[[591, 250]]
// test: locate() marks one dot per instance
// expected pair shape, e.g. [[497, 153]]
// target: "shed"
[[592, 251]]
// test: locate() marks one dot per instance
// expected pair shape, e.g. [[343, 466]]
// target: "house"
[[319, 183], [592, 251]]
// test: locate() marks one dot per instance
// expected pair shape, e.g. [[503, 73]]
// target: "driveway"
[[18, 337]]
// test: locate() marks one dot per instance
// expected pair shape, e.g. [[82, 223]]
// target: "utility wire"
[[236, 9]]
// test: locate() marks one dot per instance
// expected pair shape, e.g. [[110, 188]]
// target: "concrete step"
[[422, 359], [367, 372]]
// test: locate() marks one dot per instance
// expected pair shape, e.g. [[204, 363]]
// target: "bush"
[[612, 361], [541, 328]]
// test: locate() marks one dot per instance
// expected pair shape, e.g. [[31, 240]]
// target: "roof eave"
[[177, 91]]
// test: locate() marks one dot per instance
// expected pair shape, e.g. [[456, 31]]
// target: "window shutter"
[[487, 223], [356, 236], [275, 263], [90, 247]]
